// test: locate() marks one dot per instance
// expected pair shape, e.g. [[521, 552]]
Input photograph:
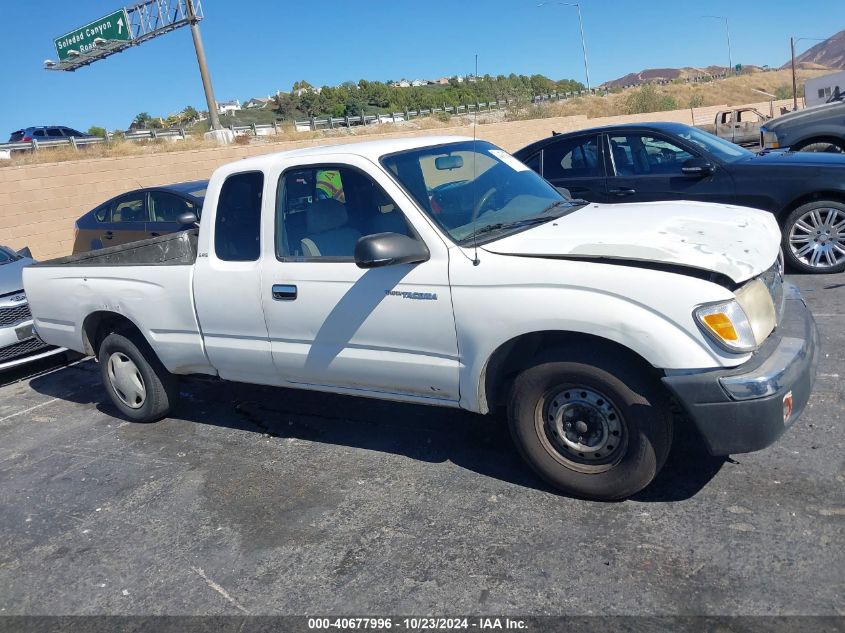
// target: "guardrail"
[[133, 135]]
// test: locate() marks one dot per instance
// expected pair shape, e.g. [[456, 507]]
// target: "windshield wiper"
[[572, 202], [501, 226]]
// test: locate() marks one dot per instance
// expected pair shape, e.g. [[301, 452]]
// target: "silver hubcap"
[[818, 237], [583, 426], [126, 380]]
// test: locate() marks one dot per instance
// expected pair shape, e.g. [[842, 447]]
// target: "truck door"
[[227, 281], [389, 329]]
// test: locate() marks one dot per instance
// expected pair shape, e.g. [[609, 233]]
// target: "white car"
[[443, 271], [18, 343]]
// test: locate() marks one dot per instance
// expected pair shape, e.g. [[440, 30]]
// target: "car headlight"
[[727, 324], [769, 139]]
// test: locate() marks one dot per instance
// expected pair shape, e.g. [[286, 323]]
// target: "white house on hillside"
[[228, 106]]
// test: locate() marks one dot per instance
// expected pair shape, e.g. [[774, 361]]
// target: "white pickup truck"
[[443, 271]]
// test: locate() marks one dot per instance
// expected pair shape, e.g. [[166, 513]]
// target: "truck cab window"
[[237, 228], [323, 211]]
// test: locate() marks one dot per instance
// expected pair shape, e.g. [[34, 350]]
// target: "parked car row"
[[444, 271], [669, 161]]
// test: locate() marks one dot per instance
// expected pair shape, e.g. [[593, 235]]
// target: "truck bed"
[[150, 283], [173, 249]]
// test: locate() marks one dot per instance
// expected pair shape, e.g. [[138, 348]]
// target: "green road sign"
[[111, 28]]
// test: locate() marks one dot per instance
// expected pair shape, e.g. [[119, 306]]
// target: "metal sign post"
[[129, 27]]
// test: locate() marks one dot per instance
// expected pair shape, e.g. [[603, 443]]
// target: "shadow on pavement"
[[481, 444]]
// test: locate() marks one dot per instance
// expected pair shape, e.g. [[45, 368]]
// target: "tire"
[[136, 381], [827, 145], [606, 393], [814, 237]]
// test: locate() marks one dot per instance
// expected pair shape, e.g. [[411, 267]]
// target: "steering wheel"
[[476, 210]]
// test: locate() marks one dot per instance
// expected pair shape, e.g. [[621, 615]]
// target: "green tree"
[[95, 130], [190, 114], [141, 120], [286, 105]]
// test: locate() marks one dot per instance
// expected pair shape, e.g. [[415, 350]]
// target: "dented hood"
[[735, 241]]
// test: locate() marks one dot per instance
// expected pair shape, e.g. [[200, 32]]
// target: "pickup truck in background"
[[443, 271], [738, 125]]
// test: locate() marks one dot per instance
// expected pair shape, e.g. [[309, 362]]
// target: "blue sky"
[[256, 47]]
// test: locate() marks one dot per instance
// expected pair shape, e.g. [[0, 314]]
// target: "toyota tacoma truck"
[[443, 271]]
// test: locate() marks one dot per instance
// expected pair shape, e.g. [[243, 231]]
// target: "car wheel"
[[814, 237], [832, 146], [594, 428], [136, 381]]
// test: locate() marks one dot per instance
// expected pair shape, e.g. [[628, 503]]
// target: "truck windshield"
[[7, 256], [720, 148], [473, 189]]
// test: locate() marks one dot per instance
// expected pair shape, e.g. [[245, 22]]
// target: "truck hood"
[[737, 242], [11, 275], [807, 115]]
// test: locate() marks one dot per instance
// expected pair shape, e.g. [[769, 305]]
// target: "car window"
[[573, 158], [533, 162], [322, 211], [39, 133], [167, 207], [54, 132], [237, 227], [750, 116], [129, 209], [639, 154], [68, 131], [103, 213]]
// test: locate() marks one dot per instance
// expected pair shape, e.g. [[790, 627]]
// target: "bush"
[[783, 92], [649, 99], [243, 139], [696, 101], [97, 131]]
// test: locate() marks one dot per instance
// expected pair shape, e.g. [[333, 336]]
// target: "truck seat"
[[328, 232]]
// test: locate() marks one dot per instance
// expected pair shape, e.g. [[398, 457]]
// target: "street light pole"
[[794, 80], [213, 117], [577, 5], [792, 43], [728, 34]]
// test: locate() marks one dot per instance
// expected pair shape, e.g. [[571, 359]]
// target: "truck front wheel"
[[136, 381], [592, 428]]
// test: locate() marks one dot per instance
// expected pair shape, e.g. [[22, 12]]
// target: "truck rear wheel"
[[590, 427], [136, 381]]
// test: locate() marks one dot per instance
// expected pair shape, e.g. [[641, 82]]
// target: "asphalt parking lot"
[[271, 501]]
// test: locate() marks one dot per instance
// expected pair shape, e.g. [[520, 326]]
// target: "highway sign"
[[111, 28]]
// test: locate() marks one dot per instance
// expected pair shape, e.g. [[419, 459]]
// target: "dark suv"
[[46, 133]]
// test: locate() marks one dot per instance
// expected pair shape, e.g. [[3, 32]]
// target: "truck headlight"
[[726, 323], [769, 139]]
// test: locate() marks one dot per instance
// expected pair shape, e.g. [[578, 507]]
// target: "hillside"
[[830, 54], [666, 75]]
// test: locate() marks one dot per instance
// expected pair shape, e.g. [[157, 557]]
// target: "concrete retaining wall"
[[39, 203]]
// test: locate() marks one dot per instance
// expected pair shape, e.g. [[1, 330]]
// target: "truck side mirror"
[[697, 167], [388, 249], [189, 217], [25, 252]]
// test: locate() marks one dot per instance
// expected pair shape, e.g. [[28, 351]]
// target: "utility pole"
[[213, 117], [728, 34], [794, 80]]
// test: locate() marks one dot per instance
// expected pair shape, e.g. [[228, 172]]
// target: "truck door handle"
[[109, 235], [623, 192], [284, 292]]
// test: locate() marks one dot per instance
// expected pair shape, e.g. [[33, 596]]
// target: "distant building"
[[402, 83], [257, 102], [417, 82], [442, 81], [228, 106]]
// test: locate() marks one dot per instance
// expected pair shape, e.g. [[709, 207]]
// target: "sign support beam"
[[213, 117]]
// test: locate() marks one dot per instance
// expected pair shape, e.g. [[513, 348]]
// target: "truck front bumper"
[[747, 408]]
